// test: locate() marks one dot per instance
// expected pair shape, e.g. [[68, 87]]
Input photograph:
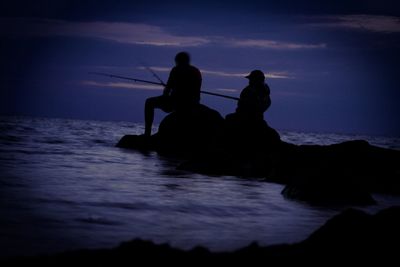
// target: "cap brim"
[[247, 77]]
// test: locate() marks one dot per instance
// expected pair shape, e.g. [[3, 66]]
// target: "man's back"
[[254, 99], [185, 83]]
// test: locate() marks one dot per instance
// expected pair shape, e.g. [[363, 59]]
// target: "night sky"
[[332, 66]]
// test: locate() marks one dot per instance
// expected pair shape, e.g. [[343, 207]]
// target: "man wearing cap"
[[254, 99], [181, 92], [246, 134]]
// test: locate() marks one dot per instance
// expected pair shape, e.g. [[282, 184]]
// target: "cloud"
[[271, 75], [129, 33], [122, 85], [270, 44], [227, 90], [373, 23], [134, 33], [154, 68], [286, 94], [278, 75]]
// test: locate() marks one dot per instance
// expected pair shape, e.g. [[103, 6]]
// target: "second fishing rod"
[[158, 83]]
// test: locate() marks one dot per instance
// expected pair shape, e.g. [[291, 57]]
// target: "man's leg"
[[161, 102], [150, 105]]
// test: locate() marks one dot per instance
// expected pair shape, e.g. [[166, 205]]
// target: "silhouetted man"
[[181, 92], [246, 133], [254, 99]]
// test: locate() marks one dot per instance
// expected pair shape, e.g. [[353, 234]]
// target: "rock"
[[357, 236], [324, 175], [244, 147], [250, 138], [341, 173], [322, 191], [352, 237], [188, 132], [138, 142], [344, 173], [181, 133]]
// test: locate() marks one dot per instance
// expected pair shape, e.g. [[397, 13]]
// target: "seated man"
[[181, 92], [246, 131], [254, 99]]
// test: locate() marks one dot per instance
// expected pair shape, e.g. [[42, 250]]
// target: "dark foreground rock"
[[350, 237]]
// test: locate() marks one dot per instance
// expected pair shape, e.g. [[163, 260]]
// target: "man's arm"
[[266, 101], [170, 82], [199, 79], [166, 91]]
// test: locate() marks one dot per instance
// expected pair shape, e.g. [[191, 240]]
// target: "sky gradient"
[[331, 68]]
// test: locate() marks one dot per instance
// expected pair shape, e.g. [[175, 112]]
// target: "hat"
[[256, 75]]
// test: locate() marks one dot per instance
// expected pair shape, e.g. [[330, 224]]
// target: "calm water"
[[63, 185]]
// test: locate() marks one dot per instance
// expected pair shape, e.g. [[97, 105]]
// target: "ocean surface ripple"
[[63, 185]]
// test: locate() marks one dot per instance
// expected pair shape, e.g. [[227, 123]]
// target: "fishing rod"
[[157, 83], [154, 74], [124, 78]]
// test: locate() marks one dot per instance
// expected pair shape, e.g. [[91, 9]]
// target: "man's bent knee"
[[151, 102]]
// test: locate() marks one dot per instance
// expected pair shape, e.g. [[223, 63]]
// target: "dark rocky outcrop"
[[341, 173], [242, 148], [245, 137], [351, 237], [345, 173], [320, 191], [137, 142]]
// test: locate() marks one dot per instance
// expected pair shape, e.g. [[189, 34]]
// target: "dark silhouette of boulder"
[[188, 132], [244, 147], [341, 173], [138, 142], [358, 236], [181, 133], [326, 191], [246, 137]]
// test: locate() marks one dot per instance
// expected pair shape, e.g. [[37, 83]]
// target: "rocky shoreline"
[[352, 236]]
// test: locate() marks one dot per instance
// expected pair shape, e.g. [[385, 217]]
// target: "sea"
[[65, 186]]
